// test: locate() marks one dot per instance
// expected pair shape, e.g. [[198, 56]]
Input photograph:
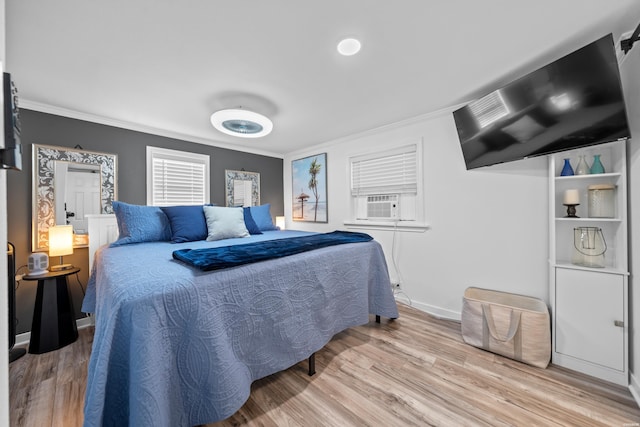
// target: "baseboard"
[[439, 312], [23, 339], [634, 388]]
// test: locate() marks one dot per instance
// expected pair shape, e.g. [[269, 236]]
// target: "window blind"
[[489, 109], [390, 172], [178, 179]]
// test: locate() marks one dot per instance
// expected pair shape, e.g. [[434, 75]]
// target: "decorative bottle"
[[567, 170], [583, 167], [597, 166]]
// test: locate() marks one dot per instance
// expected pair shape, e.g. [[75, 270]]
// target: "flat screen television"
[[11, 154], [573, 102]]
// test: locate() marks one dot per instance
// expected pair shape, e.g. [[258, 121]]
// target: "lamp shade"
[[280, 222], [60, 240]]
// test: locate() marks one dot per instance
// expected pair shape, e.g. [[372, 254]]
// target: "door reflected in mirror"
[[77, 191]]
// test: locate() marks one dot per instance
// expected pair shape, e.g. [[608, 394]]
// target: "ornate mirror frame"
[[44, 158], [233, 175]]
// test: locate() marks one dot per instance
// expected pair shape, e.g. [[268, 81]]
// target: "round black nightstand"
[[54, 320]]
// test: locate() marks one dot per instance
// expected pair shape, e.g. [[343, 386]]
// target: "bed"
[[177, 346]]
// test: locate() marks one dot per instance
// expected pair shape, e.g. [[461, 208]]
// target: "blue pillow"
[[251, 225], [262, 216], [188, 223], [138, 224]]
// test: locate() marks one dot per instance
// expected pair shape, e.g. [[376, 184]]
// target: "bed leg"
[[377, 318], [312, 364]]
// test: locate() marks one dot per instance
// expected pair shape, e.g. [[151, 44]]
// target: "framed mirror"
[[242, 188], [67, 185]]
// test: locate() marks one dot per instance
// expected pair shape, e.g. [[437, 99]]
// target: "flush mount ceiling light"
[[242, 123], [348, 47]]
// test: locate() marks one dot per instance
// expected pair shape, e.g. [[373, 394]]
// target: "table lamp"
[[60, 244], [280, 222]]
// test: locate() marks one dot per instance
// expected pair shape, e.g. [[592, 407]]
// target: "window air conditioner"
[[384, 206]]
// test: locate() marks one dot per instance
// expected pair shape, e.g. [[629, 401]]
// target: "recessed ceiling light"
[[242, 123], [348, 47]]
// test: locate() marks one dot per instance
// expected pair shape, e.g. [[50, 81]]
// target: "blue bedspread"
[[209, 259], [175, 346]]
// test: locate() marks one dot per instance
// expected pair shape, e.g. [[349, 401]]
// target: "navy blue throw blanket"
[[209, 259]]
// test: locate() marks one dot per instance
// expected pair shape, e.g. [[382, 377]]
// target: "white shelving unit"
[[589, 306]]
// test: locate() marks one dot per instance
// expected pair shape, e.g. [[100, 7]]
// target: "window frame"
[[153, 153], [417, 223]]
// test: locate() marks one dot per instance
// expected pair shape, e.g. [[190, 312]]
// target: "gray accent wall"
[[130, 146]]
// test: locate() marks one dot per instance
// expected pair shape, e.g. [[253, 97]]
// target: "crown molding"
[[72, 114], [370, 132]]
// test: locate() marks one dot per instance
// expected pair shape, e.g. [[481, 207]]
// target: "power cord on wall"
[[18, 276], [87, 315], [397, 288], [80, 283]]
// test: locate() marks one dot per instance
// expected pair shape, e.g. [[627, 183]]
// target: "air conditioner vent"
[[383, 206]]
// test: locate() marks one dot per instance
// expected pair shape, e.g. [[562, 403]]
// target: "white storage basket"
[[515, 326]]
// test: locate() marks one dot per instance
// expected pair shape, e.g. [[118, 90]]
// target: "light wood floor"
[[412, 371]]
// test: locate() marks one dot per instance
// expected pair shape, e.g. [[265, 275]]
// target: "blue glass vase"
[[567, 170], [597, 166]]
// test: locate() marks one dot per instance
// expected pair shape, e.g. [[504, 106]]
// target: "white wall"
[[488, 227], [4, 307], [629, 70]]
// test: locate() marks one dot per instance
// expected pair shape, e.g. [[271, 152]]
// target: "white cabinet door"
[[587, 305]]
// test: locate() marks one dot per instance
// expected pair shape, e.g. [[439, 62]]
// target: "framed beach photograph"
[[309, 188]]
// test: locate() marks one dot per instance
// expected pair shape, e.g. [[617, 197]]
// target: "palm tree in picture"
[[314, 170]]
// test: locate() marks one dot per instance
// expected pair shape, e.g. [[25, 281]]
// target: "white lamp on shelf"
[[60, 244]]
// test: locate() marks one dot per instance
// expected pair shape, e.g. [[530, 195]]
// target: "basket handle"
[[514, 324]]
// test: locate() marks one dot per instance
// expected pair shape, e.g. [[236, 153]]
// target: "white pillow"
[[224, 223]]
